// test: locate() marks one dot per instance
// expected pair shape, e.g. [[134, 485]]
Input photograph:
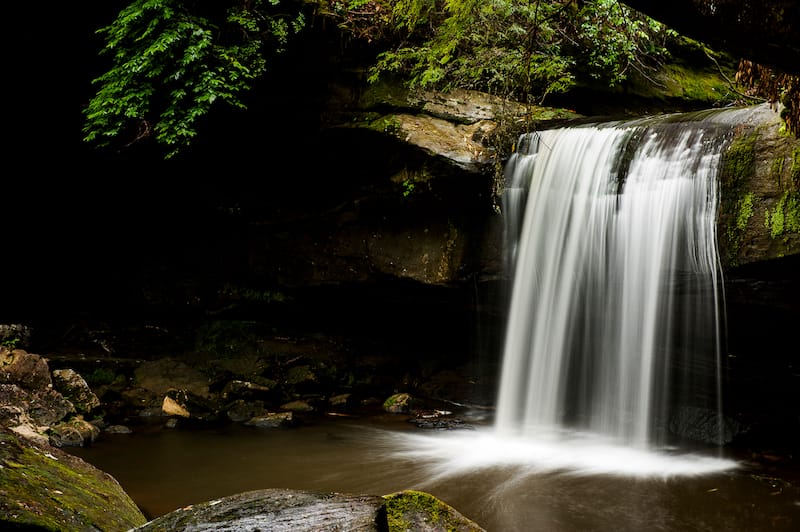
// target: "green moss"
[[735, 230], [543, 114], [696, 85], [51, 490], [409, 509], [795, 170], [776, 220], [785, 217], [776, 169], [394, 399], [383, 124], [736, 207], [740, 160], [745, 211]]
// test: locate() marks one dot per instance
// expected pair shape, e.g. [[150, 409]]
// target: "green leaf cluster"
[[172, 60], [520, 49]]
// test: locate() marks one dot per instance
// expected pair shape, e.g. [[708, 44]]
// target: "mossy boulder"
[[44, 488], [399, 403], [419, 511]]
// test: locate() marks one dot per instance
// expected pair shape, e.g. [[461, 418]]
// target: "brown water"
[[165, 469]]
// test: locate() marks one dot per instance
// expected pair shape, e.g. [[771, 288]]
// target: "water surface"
[[502, 484]]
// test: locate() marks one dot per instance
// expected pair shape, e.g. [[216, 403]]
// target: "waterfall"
[[615, 293], [615, 320]]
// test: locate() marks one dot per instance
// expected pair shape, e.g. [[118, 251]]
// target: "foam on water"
[[460, 452]]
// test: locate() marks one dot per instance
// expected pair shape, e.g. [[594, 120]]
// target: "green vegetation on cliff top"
[[173, 62]]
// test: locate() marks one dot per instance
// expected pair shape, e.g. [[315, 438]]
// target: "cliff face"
[[760, 192], [441, 185]]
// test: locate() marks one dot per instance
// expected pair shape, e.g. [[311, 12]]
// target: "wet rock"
[[240, 411], [422, 512], [45, 488], [438, 420], [759, 218], [73, 433], [238, 389], [38, 408], [297, 406], [49, 406], [118, 429], [340, 400], [185, 404], [272, 420], [24, 369], [277, 510], [399, 403], [705, 425], [171, 407], [73, 387], [11, 415]]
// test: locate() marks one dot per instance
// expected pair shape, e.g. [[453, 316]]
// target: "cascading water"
[[614, 322], [615, 277]]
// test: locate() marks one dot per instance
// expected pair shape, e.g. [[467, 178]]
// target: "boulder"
[[271, 420], [44, 488], [74, 388], [29, 404], [277, 510], [422, 512], [24, 369], [73, 433], [399, 403]]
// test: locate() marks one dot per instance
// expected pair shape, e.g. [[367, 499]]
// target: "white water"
[[456, 453], [594, 313], [614, 304]]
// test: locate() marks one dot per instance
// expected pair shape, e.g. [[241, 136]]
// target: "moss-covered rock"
[[399, 403], [759, 215], [44, 488], [418, 511]]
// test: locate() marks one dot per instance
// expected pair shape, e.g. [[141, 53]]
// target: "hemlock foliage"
[[173, 60]]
